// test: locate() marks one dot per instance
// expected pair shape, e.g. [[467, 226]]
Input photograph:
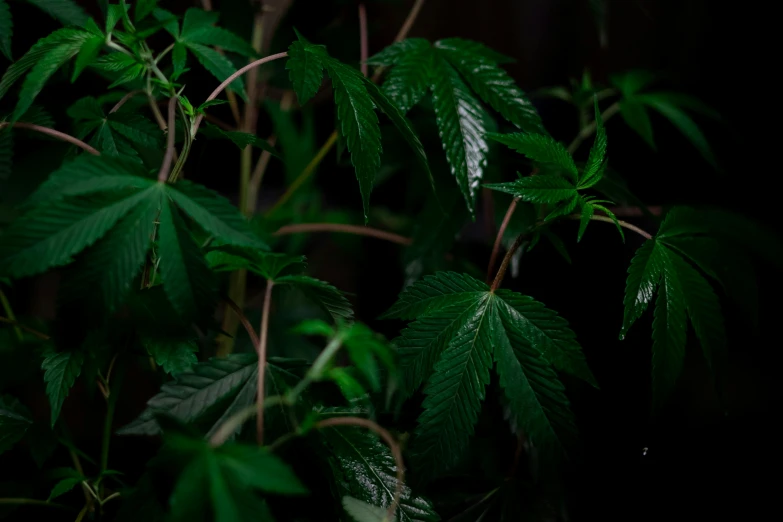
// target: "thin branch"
[[165, 167], [408, 24], [624, 224], [236, 75], [300, 228], [499, 238], [9, 311], [655, 210], [262, 361], [220, 123], [364, 47], [387, 438], [244, 320], [506, 260], [27, 329], [124, 99], [589, 129], [53, 133], [258, 176]]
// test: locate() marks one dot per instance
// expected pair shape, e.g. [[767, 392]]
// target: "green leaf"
[[644, 274], [242, 139], [6, 153], [611, 216], [60, 373], [258, 468], [70, 39], [66, 11], [587, 214], [402, 124], [538, 189], [454, 392], [539, 148], [636, 116], [197, 20], [136, 128], [305, 67], [64, 486], [187, 280], [173, 355], [462, 127], [358, 125], [595, 161], [6, 29], [361, 511], [433, 293], [219, 37], [220, 66], [215, 214], [193, 394], [143, 9], [14, 422], [179, 57], [631, 82], [364, 468], [115, 62], [87, 55], [563, 208], [266, 264], [682, 121], [51, 234], [407, 82], [669, 335], [329, 298], [479, 66]]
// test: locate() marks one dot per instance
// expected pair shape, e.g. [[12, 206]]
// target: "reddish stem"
[[124, 99], [165, 167], [499, 238], [244, 320], [53, 133], [506, 260], [347, 229], [363, 44], [262, 361]]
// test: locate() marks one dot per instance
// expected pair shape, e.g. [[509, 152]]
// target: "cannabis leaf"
[[460, 327], [240, 139], [361, 511], [364, 468], [173, 355], [538, 189], [60, 373], [14, 422], [356, 99], [540, 148]]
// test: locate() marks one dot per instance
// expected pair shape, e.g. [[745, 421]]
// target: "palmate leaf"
[[538, 189], [408, 81], [6, 29], [219, 37], [305, 68], [364, 468], [462, 128], [595, 161], [644, 274], [669, 336], [218, 65], [60, 373], [459, 327], [479, 66], [15, 420], [268, 265], [539, 148]]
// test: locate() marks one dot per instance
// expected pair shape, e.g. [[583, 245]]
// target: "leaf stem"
[[499, 238], [364, 52], [264, 330], [124, 99], [27, 329], [9, 311], [165, 167], [51, 132], [233, 77], [300, 228], [244, 320], [624, 224], [589, 129], [387, 438], [506, 260]]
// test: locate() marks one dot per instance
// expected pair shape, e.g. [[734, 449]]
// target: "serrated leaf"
[[644, 274], [407, 82], [268, 265], [136, 128], [364, 468], [329, 298], [358, 125], [479, 66], [538, 148], [115, 62], [462, 128], [361, 511], [175, 356], [192, 394], [187, 280], [60, 373], [197, 20], [87, 55], [64, 486], [587, 214], [242, 139], [66, 11], [14, 422], [538, 189], [214, 214], [563, 208], [143, 8], [636, 116], [595, 161], [219, 66], [219, 37], [51, 234], [433, 293], [611, 216], [305, 67], [669, 337], [6, 29]]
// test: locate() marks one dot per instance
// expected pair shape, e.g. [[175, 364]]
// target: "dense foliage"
[[154, 272]]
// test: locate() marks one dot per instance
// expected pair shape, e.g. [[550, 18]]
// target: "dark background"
[[700, 462]]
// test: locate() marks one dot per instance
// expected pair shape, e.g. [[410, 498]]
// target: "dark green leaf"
[[197, 20], [67, 12], [305, 68], [595, 161], [60, 373], [173, 355], [361, 511], [644, 273], [6, 29], [241, 139], [87, 55], [329, 298], [407, 82], [14, 422], [219, 37], [636, 116], [266, 264], [538, 189], [668, 335], [64, 486], [220, 66], [539, 148], [433, 293]]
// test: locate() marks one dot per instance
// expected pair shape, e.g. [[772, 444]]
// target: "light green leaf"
[[596, 160], [538, 189], [220, 66], [6, 29], [87, 55], [187, 280], [479, 66], [539, 148], [193, 394], [358, 125], [15, 420], [361, 511], [462, 127], [60, 373], [67, 12]]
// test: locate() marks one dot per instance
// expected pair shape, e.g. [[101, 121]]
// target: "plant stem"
[[165, 167], [589, 129], [10, 313], [51, 132], [363, 43], [300, 228], [499, 238], [27, 329], [262, 361], [387, 438], [257, 177], [124, 99], [233, 77], [506, 261], [243, 319], [620, 222], [163, 53]]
